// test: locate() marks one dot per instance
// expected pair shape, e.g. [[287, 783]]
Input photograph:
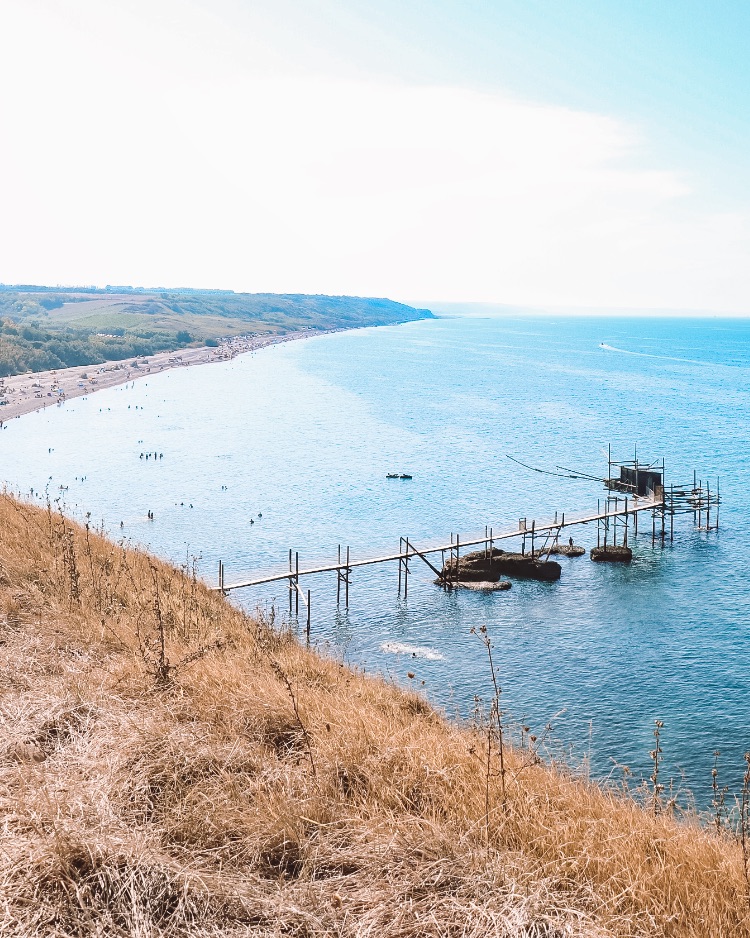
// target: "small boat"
[[397, 475], [404, 475]]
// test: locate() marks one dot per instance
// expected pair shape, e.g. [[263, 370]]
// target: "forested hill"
[[45, 327]]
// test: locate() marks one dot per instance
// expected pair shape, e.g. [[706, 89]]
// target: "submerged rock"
[[485, 586], [489, 566], [565, 550], [612, 554]]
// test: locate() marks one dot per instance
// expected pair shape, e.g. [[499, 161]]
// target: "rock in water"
[[490, 565], [611, 554], [484, 586], [565, 550]]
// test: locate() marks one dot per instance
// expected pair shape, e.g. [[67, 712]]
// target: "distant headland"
[[44, 328]]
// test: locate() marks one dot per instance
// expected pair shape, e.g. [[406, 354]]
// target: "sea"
[[288, 448]]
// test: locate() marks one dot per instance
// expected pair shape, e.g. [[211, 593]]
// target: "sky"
[[567, 153]]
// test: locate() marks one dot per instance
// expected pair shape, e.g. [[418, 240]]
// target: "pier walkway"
[[614, 508]]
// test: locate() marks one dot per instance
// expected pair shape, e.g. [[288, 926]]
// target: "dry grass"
[[155, 791]]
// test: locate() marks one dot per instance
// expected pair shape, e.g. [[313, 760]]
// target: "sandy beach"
[[22, 394]]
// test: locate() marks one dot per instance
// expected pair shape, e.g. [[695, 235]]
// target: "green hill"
[[43, 328]]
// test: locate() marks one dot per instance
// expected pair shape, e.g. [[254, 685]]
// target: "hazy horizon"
[[575, 154]]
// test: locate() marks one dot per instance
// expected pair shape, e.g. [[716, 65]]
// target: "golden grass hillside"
[[170, 766]]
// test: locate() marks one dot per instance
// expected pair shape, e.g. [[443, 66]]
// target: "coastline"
[[34, 391]]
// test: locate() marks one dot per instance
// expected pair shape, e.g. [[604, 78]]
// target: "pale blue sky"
[[680, 69], [565, 152]]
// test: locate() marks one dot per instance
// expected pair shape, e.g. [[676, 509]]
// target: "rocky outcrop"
[[491, 565], [612, 554], [566, 550]]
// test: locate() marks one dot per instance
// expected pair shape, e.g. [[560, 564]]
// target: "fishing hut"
[[633, 487]]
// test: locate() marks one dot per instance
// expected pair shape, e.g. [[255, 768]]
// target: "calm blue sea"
[[304, 434]]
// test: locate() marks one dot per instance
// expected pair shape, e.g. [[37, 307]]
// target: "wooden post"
[[338, 579], [308, 617], [695, 494], [491, 539], [347, 578], [614, 524], [296, 584], [625, 538], [598, 522], [533, 525], [406, 570], [708, 506], [635, 522], [671, 514], [653, 526], [400, 561], [607, 524], [718, 500], [700, 501], [457, 558], [290, 581], [221, 576]]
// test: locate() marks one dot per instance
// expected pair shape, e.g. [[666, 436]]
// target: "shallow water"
[[304, 434]]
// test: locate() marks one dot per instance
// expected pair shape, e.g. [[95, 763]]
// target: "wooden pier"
[[642, 491]]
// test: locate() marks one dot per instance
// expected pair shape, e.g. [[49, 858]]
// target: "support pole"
[[419, 553], [671, 514], [718, 500], [296, 584], [400, 561], [663, 503], [695, 494], [308, 617], [614, 524], [406, 570], [291, 581], [625, 537], [348, 568], [338, 579]]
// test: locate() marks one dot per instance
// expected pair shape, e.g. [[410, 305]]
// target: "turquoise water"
[[304, 433]]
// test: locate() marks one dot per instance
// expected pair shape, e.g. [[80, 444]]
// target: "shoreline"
[[33, 391]]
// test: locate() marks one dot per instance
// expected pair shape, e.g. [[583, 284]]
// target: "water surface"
[[304, 434]]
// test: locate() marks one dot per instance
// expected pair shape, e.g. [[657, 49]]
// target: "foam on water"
[[415, 651]]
